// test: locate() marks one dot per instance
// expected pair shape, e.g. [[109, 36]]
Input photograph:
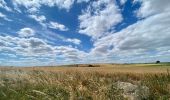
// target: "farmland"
[[80, 82]]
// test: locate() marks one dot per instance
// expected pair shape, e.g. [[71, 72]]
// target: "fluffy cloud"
[[75, 41], [122, 2], [99, 18], [58, 26], [101, 50], [70, 53], [62, 4], [30, 46], [143, 39], [37, 50], [151, 7], [140, 36], [40, 19], [26, 32], [35, 5]]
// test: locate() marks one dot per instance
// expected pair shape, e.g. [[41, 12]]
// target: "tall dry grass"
[[17, 84]]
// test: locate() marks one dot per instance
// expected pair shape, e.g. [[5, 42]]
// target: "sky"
[[57, 32]]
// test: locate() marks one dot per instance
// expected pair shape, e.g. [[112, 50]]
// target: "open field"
[[104, 82], [107, 68]]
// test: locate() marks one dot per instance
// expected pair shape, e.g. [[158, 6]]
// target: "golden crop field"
[[106, 68], [81, 82]]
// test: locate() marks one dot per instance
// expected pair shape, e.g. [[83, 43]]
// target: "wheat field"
[[80, 82], [106, 68]]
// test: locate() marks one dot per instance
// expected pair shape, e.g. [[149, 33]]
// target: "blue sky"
[[55, 32]]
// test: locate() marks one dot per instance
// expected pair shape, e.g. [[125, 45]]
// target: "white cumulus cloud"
[[26, 32], [75, 41], [144, 41], [152, 7], [58, 26], [122, 2], [99, 17], [40, 19], [34, 5]]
